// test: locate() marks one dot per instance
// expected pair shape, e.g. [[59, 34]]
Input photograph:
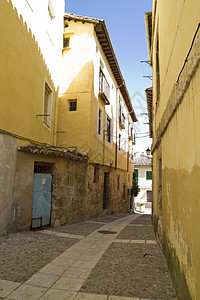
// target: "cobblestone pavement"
[[24, 254], [78, 262]]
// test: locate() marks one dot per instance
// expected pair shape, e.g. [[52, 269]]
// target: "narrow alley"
[[115, 257]]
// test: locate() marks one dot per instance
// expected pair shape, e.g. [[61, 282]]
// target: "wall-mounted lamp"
[[148, 151]]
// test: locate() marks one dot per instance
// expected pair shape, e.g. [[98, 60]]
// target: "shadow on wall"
[[10, 15], [75, 123]]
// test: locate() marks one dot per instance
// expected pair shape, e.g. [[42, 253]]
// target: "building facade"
[[95, 112], [31, 46], [173, 37], [47, 179], [143, 176]]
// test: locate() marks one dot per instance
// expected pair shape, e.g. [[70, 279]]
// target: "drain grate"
[[107, 232]]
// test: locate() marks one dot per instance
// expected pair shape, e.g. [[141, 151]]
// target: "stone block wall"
[[8, 153], [77, 190]]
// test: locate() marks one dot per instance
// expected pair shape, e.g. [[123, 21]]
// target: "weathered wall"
[[181, 188], [8, 147], [76, 194], [68, 191], [117, 203], [176, 150]]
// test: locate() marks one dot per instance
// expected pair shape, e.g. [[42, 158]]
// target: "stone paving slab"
[[27, 292], [6, 287], [24, 254]]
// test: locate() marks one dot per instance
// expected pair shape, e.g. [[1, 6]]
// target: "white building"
[[143, 175]]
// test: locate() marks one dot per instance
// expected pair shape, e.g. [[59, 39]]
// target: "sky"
[[126, 27]]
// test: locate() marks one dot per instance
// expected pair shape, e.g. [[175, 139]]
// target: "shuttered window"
[[136, 175], [148, 175]]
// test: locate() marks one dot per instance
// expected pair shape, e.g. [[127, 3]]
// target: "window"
[[148, 175], [47, 104], [73, 105], [104, 87], [119, 141], [135, 175], [66, 41], [149, 196], [100, 121], [118, 179], [101, 65], [108, 130], [121, 115], [131, 133]]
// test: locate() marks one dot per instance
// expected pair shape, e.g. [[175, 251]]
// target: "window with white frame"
[[108, 130], [48, 95], [121, 114]]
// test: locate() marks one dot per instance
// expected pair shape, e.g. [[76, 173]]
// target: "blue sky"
[[126, 26]]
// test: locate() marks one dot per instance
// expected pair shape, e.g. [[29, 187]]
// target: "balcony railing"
[[104, 88]]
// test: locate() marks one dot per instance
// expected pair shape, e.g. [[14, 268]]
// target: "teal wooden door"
[[41, 204]]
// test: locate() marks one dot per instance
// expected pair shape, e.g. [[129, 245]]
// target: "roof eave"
[[149, 97], [148, 25], [103, 36]]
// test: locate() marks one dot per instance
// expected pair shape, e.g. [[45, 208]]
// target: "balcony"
[[104, 88]]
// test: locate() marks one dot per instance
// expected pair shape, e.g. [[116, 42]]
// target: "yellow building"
[[95, 114], [55, 167], [173, 37]]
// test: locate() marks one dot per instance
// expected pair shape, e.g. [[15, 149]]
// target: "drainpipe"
[[117, 94], [117, 98]]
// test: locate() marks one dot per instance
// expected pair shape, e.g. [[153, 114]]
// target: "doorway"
[[106, 191], [41, 204]]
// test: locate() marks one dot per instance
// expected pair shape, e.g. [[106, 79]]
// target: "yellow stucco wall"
[[176, 22], [80, 78], [176, 199], [23, 74]]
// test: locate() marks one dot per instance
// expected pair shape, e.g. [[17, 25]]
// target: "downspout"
[[128, 147], [116, 146], [117, 98]]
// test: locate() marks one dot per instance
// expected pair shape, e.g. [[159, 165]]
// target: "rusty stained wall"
[[76, 196], [96, 191], [68, 191], [176, 218]]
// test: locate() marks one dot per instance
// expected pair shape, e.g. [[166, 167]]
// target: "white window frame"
[[111, 132], [100, 136]]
